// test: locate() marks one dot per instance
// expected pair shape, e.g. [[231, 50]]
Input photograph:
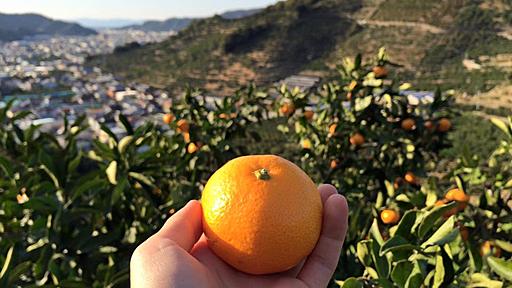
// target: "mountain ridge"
[[311, 36], [19, 26]]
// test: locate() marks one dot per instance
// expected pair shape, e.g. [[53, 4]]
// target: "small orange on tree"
[[380, 71], [411, 178], [183, 126], [357, 139], [408, 124], [444, 125], [287, 109], [389, 216], [308, 114], [168, 118]]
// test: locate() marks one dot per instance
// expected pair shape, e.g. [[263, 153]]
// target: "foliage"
[[72, 212]]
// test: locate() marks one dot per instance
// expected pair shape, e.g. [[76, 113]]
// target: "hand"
[[178, 255]]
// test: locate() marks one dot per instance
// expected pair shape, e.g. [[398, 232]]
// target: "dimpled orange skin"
[[261, 226]]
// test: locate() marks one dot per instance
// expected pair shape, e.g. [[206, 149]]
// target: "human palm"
[[178, 254]]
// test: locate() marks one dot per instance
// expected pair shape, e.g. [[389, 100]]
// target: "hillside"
[[19, 26], [429, 39], [178, 24]]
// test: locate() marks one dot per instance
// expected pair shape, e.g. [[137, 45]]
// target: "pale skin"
[[178, 254]]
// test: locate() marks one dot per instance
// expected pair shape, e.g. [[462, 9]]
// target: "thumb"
[[183, 228]]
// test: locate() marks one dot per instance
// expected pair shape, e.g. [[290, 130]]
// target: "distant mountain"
[[107, 23], [18, 26], [178, 24], [430, 39], [175, 24]]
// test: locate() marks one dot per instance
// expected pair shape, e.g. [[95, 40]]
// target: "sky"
[[127, 9]]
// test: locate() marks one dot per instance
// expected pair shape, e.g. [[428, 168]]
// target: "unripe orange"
[[308, 114], [444, 125], [168, 118], [408, 124], [357, 139], [183, 126], [380, 71], [389, 216]]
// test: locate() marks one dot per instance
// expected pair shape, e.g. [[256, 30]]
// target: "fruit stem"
[[262, 174]]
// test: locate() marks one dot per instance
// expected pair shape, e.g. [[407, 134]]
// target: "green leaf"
[[17, 271], [404, 227], [501, 125], [363, 252], [446, 233], [375, 232], [507, 246], [381, 262], [443, 270], [141, 178], [479, 280], [118, 191], [111, 172], [501, 267], [389, 188], [395, 243], [7, 261], [126, 124], [51, 175], [123, 143], [352, 283], [401, 272], [416, 277], [431, 217]]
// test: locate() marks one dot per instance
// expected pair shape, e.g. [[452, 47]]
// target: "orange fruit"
[[223, 116], [408, 124], [186, 137], [332, 129], [380, 71], [306, 144], [429, 125], [287, 109], [261, 214], [168, 118], [192, 148], [389, 216], [309, 114], [411, 178], [398, 182], [334, 164], [349, 95], [357, 139], [440, 202], [456, 194], [443, 125], [183, 126], [487, 248]]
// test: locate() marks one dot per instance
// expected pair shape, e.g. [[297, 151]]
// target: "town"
[[47, 76]]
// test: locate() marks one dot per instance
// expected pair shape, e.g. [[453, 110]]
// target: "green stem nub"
[[262, 174]]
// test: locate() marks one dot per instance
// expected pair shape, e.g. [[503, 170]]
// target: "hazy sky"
[[127, 9]]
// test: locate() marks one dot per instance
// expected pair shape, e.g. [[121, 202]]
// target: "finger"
[[183, 228], [326, 190], [322, 262]]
